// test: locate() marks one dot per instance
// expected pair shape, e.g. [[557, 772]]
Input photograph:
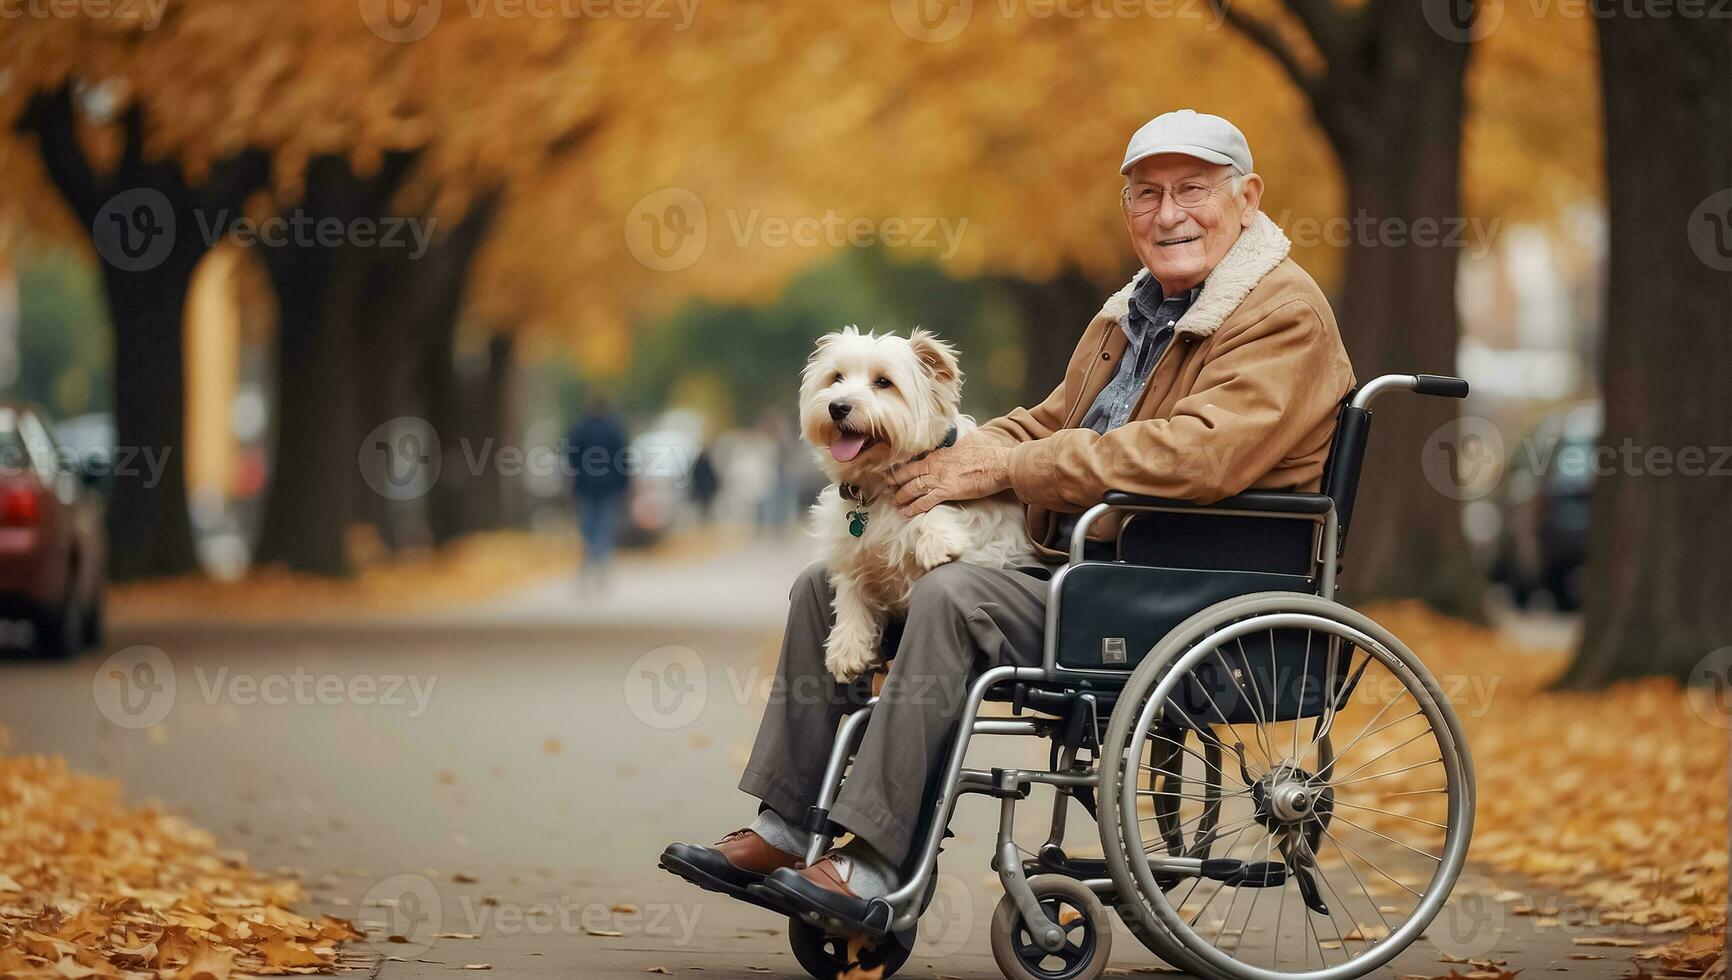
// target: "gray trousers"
[[961, 620]]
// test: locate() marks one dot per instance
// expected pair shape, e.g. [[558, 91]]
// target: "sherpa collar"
[[1260, 248]]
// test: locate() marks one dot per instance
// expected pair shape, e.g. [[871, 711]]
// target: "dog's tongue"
[[847, 447]]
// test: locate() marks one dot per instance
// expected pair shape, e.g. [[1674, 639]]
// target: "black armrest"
[[1269, 501]]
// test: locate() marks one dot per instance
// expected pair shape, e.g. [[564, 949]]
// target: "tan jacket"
[[1245, 397]]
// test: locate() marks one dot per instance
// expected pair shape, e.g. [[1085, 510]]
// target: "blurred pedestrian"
[[595, 453], [706, 484]]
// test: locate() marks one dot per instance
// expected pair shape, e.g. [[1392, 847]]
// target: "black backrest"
[[1346, 456]]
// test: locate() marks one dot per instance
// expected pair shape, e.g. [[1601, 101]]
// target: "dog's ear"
[[826, 340], [937, 358]]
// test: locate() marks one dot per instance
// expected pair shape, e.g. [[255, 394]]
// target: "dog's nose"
[[840, 410]]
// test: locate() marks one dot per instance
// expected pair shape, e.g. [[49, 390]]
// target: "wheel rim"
[[1069, 960], [1303, 800]]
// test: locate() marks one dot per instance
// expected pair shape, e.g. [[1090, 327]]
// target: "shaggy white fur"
[[867, 402]]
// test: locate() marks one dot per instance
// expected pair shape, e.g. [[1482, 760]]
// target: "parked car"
[[1543, 543], [53, 545]]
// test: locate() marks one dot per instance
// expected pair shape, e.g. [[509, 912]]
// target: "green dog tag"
[[856, 522]]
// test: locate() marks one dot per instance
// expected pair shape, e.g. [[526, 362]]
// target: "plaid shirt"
[[1148, 327]]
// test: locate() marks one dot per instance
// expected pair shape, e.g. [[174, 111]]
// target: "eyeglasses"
[[1143, 198]]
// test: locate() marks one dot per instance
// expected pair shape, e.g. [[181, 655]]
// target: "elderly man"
[[1217, 369]]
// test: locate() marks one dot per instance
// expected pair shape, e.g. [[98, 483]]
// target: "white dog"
[[867, 402]]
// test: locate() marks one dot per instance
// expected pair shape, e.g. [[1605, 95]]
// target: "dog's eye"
[[882, 383], [837, 377]]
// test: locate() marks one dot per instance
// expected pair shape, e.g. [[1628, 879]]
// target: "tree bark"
[[150, 229], [1054, 315], [490, 504], [453, 407], [316, 478], [1401, 152], [1660, 553], [1391, 100], [388, 344]]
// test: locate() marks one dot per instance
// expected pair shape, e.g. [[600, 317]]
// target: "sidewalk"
[[741, 583], [708, 576]]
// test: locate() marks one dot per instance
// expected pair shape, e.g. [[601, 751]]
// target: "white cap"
[[1194, 134]]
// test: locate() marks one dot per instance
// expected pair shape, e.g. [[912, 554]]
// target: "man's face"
[[1180, 246]]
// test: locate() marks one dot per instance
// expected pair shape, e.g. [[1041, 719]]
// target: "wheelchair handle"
[[1424, 384]]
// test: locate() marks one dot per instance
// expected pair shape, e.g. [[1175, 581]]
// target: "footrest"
[[1231, 871]]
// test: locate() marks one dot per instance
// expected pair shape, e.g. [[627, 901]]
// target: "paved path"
[[503, 772]]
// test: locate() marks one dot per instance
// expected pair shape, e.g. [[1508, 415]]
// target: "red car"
[[53, 546]]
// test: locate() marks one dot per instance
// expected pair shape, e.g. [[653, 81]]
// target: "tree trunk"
[[150, 229], [1397, 131], [149, 531], [387, 344], [1390, 98], [1055, 313], [467, 443], [489, 507], [1660, 553], [323, 292]]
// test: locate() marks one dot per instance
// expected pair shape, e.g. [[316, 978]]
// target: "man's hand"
[[960, 472]]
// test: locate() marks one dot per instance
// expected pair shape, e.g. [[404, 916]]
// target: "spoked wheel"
[[1291, 793], [827, 956], [1087, 934]]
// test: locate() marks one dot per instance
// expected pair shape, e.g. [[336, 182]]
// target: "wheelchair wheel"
[[1088, 933], [827, 956], [1285, 793], [1155, 938]]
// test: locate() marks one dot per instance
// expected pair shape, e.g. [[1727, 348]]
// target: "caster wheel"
[[827, 956], [1087, 927]]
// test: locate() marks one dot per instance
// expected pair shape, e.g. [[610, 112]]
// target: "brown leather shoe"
[[831, 874], [745, 850], [736, 862], [820, 894]]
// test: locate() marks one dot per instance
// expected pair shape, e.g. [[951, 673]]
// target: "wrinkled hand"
[[960, 472]]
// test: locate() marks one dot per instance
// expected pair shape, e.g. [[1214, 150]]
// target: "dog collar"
[[853, 491], [949, 440]]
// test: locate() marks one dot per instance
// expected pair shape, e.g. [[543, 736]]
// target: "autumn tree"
[[1387, 87], [143, 217], [1659, 570], [355, 128]]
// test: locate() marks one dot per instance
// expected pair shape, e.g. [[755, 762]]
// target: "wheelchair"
[[1240, 739]]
